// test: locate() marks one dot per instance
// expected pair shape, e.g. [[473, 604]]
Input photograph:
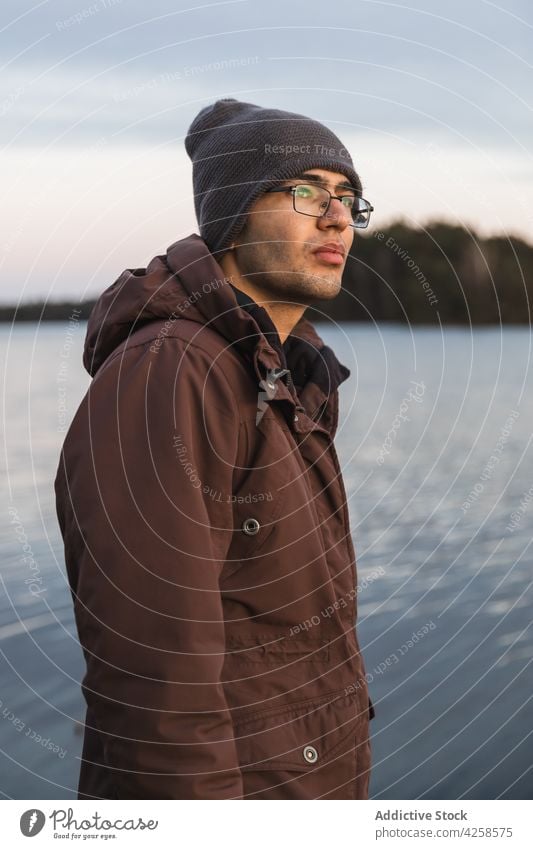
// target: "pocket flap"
[[275, 647], [302, 737]]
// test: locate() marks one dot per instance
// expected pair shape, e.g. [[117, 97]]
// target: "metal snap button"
[[310, 754], [250, 526]]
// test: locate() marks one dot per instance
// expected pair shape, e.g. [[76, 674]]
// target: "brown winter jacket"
[[208, 549]]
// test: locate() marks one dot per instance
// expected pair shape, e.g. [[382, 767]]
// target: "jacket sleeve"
[[143, 500]]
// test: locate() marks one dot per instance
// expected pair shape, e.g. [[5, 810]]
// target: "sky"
[[433, 100]]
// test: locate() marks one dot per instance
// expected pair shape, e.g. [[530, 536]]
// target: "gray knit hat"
[[239, 150]]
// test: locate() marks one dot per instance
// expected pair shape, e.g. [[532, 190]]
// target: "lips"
[[330, 252]]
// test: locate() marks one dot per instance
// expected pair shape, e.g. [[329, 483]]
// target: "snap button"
[[250, 526], [310, 754]]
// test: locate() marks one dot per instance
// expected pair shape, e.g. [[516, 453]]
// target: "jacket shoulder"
[[186, 358]]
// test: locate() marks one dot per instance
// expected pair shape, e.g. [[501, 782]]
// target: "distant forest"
[[442, 274]]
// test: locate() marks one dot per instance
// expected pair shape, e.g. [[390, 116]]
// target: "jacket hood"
[[187, 282]]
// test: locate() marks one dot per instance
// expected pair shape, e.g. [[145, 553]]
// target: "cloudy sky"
[[433, 100]]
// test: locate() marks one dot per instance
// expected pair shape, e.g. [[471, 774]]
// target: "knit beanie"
[[239, 150]]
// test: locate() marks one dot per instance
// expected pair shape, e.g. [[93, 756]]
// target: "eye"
[[304, 191], [348, 201]]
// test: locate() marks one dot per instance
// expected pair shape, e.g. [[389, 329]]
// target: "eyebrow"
[[317, 179]]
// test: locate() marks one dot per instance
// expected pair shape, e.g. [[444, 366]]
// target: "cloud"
[[113, 66]]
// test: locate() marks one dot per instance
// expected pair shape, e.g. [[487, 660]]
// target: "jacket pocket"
[[260, 494], [253, 525], [301, 737], [276, 649], [255, 515]]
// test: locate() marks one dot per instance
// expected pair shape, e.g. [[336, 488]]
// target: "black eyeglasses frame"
[[292, 190]]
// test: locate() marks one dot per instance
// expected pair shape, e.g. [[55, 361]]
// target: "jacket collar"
[[315, 372]]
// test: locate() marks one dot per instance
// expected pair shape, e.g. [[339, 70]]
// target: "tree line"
[[439, 274]]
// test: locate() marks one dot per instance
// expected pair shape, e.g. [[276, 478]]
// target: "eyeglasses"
[[315, 201]]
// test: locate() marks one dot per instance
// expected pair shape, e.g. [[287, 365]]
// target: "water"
[[445, 569]]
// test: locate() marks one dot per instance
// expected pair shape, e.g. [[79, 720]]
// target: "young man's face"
[[278, 250]]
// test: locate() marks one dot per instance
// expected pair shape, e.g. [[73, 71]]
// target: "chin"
[[305, 287], [324, 288]]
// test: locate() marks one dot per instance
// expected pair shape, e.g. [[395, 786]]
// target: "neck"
[[283, 314]]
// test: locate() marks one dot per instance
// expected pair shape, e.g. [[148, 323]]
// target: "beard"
[[277, 267]]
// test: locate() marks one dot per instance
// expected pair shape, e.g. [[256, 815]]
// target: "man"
[[200, 496]]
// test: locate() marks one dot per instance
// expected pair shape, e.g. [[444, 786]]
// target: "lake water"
[[435, 441]]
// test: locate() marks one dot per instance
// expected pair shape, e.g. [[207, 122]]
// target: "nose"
[[337, 216]]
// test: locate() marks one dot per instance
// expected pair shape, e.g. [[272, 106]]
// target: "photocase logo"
[[32, 822]]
